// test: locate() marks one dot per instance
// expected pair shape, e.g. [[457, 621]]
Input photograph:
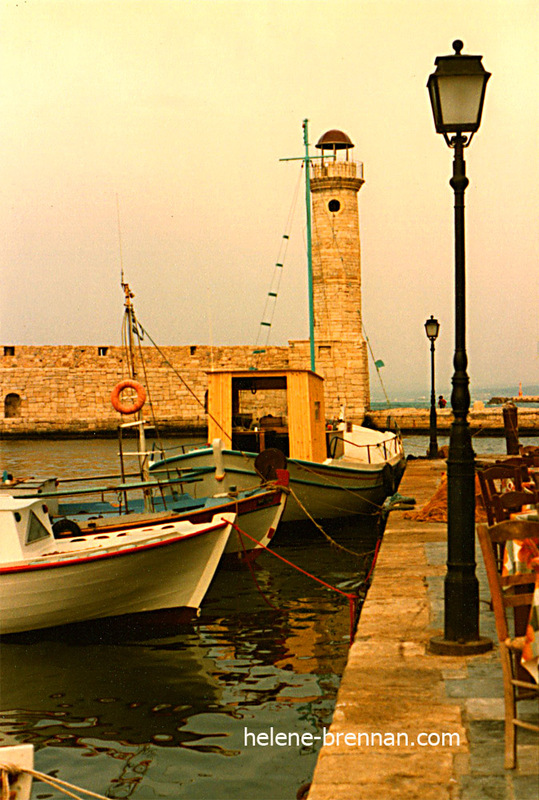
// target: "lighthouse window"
[[334, 206]]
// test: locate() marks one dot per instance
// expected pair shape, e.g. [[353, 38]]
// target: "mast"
[[307, 164], [142, 454]]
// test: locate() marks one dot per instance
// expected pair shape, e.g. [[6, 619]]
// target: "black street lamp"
[[432, 328], [457, 92]]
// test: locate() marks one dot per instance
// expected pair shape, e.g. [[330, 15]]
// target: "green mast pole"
[[307, 163]]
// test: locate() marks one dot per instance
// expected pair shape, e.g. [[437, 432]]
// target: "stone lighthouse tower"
[[340, 347]]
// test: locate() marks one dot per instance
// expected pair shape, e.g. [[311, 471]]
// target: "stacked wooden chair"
[[505, 489], [502, 494], [515, 592]]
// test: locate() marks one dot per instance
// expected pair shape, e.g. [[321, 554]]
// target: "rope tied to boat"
[[332, 541], [7, 770], [326, 479], [352, 598]]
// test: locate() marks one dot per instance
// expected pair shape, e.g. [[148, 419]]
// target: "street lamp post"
[[432, 328], [457, 92]]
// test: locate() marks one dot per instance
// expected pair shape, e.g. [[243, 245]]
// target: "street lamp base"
[[444, 647]]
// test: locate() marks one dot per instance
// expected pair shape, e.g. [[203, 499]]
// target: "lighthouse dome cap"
[[334, 140]]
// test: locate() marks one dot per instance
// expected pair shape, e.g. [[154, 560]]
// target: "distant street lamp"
[[457, 92], [432, 328]]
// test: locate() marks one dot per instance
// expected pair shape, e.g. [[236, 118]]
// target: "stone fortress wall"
[[66, 389]]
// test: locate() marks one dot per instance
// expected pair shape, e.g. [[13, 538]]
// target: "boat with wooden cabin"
[[326, 481]]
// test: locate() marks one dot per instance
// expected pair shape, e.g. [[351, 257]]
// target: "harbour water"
[[166, 710]]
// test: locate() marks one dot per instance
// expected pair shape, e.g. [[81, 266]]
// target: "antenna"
[[120, 240]]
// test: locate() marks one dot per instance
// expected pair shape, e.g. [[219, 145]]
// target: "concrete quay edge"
[[392, 685]]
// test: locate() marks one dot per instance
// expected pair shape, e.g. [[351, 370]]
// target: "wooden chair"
[[517, 461], [508, 503], [495, 481], [512, 591]]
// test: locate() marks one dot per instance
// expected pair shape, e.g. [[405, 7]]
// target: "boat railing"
[[387, 448], [166, 486]]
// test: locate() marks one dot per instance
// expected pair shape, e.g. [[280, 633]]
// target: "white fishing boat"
[[258, 511], [45, 581], [332, 473]]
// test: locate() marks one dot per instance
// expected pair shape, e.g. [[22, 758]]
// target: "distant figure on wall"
[[442, 402]]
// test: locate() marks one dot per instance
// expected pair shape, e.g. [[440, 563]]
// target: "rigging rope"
[[271, 298], [375, 364], [184, 382]]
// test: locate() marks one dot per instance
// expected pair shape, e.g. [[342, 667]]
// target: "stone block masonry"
[[65, 390]]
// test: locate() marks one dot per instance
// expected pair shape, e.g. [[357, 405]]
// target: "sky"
[[147, 134]]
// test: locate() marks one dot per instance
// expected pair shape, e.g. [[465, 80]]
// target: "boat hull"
[[258, 515], [325, 491], [167, 571]]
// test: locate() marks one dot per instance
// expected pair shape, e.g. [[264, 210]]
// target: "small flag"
[[379, 364]]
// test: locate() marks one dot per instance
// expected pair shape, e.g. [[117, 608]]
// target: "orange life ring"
[[132, 408]]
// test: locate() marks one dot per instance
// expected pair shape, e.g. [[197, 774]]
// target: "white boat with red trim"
[[45, 581]]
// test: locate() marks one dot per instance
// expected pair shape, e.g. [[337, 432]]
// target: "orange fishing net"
[[435, 509]]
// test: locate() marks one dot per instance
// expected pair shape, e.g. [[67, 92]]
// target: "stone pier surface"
[[409, 699]]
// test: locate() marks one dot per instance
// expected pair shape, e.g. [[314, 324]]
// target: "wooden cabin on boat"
[[300, 432]]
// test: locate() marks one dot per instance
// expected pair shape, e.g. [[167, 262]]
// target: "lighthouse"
[[340, 346]]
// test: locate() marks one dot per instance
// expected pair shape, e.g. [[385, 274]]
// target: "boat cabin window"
[[36, 530], [259, 413], [12, 405]]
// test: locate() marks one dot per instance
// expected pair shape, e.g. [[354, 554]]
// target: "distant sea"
[[483, 445], [416, 400]]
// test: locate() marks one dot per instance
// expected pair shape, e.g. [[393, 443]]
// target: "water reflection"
[[162, 710]]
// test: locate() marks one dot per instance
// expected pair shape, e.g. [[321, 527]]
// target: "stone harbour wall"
[[487, 421], [65, 390], [57, 390]]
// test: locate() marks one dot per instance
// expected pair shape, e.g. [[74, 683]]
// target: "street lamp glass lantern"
[[457, 92], [432, 327]]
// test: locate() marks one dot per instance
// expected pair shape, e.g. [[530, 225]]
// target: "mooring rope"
[[332, 541], [352, 598], [62, 786], [251, 570], [327, 480]]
